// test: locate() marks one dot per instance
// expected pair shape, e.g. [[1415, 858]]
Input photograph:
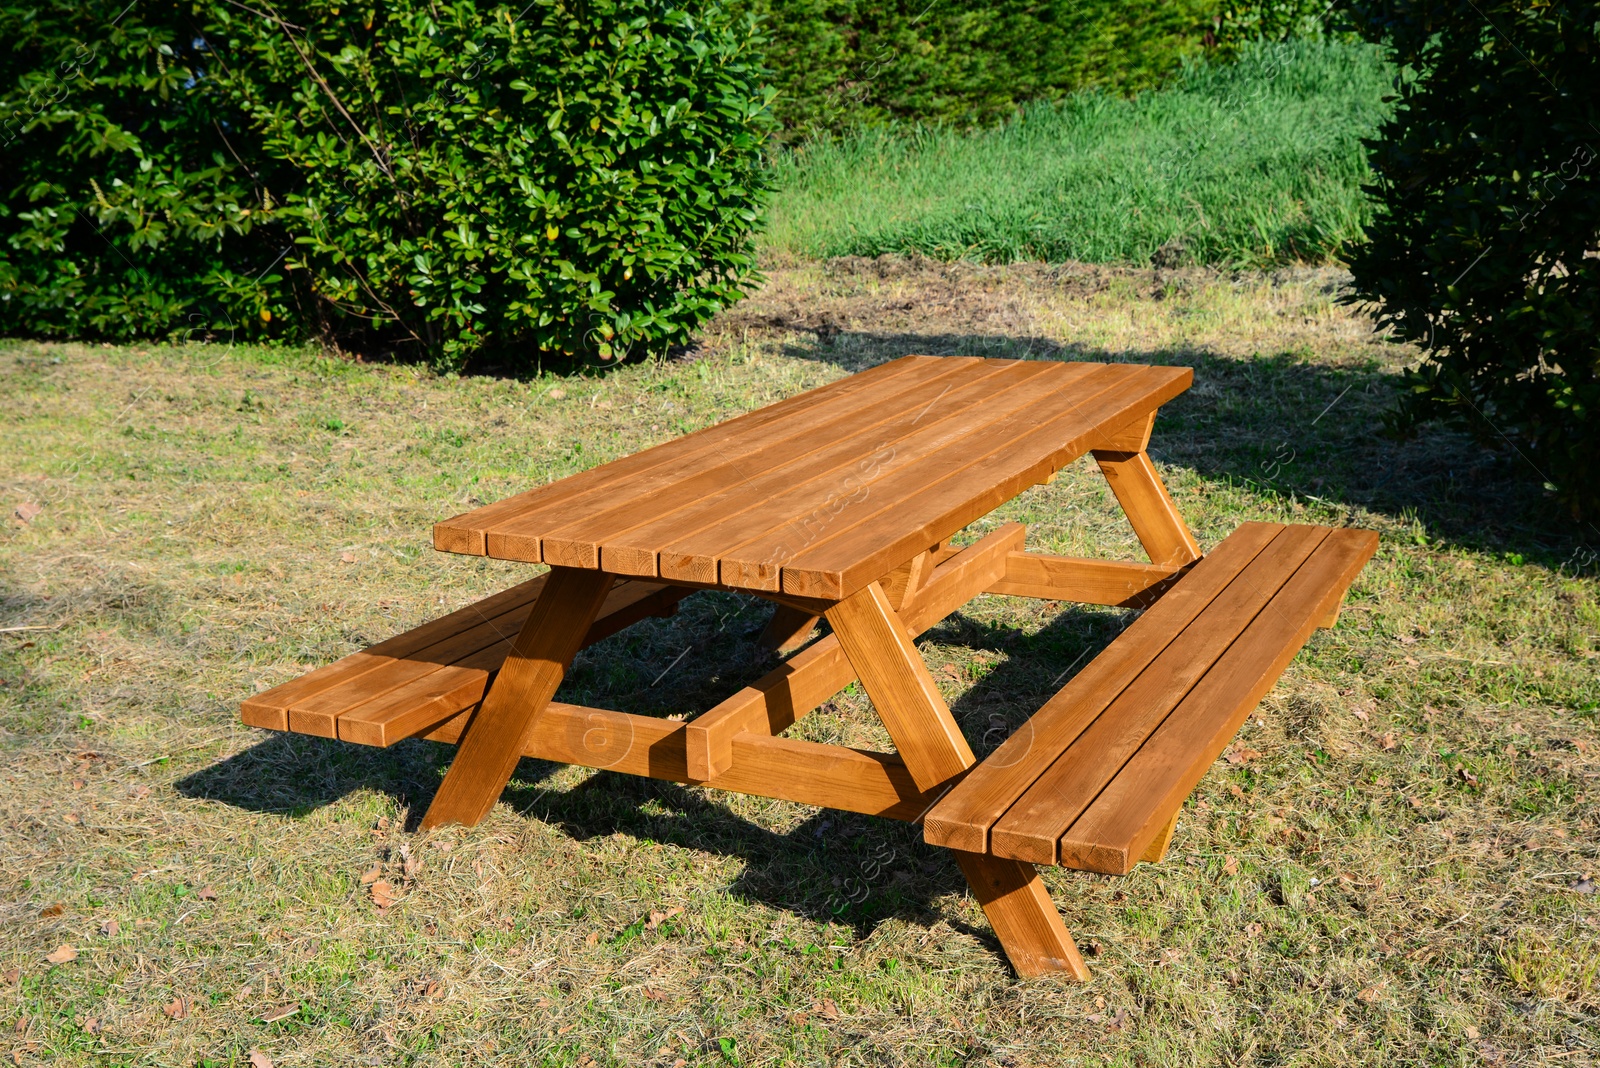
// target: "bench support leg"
[[787, 629], [908, 702], [1022, 915], [1155, 518], [503, 726], [1163, 840]]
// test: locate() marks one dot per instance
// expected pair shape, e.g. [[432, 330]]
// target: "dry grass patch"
[[1390, 868]]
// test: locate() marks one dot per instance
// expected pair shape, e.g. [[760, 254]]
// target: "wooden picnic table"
[[841, 503]]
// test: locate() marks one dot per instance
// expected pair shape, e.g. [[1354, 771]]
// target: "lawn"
[[1393, 867], [1253, 162]]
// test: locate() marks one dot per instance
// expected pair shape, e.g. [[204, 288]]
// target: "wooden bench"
[[413, 682], [1095, 778]]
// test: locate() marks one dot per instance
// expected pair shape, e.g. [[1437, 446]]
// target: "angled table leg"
[[907, 700], [1155, 518], [501, 729]]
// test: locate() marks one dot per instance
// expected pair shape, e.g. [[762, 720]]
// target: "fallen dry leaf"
[[1361, 712], [433, 989], [347, 558], [27, 510], [557, 394], [1472, 1032], [259, 1059], [1368, 995], [110, 928], [654, 995], [383, 894], [89, 1025], [371, 875], [1230, 865], [62, 954], [178, 1008], [207, 893], [1119, 1021], [78, 784], [52, 910], [12, 976], [592, 938], [827, 1008], [1390, 741], [282, 1013], [408, 863], [1467, 776], [1252, 929], [658, 918], [1243, 756]]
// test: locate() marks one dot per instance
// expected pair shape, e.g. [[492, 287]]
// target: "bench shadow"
[[1287, 428]]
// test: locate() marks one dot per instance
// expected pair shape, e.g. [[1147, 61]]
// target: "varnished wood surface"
[[821, 494]]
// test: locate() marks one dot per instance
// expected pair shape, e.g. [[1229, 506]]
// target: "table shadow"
[[852, 870]]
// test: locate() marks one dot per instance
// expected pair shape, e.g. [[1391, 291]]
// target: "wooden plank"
[[1023, 917], [830, 776], [1156, 851], [509, 714], [902, 583], [903, 693], [838, 478], [947, 491], [466, 533], [424, 702], [1072, 578], [962, 819], [1134, 437], [707, 487], [783, 696], [788, 629], [1149, 508], [1125, 820], [1029, 830], [270, 708], [752, 551]]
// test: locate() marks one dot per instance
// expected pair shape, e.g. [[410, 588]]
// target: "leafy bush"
[[577, 177], [1484, 251], [843, 63]]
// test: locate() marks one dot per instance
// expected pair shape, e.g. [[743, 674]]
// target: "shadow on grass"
[[1283, 426], [844, 868]]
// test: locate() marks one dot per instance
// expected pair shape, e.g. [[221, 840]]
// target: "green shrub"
[[576, 176], [1484, 250], [844, 63]]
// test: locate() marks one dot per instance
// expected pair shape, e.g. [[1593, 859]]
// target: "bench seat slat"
[[270, 708], [1118, 827], [414, 681], [962, 820], [1030, 828]]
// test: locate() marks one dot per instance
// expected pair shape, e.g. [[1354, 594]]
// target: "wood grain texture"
[[1024, 918], [1070, 578], [788, 629], [1127, 816], [963, 818], [903, 693], [852, 780], [952, 489], [509, 714], [787, 693], [270, 708], [629, 533], [1029, 829], [1155, 519], [468, 532]]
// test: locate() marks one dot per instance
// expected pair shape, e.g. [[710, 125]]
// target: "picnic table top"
[[823, 493]]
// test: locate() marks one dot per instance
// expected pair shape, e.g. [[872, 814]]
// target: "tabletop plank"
[[827, 491]]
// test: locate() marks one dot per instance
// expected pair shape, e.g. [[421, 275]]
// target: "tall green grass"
[[1253, 162]]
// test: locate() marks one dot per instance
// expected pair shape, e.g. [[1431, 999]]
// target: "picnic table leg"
[[907, 700], [1155, 518], [787, 629], [501, 729]]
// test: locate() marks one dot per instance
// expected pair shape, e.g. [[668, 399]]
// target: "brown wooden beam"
[[830, 776], [780, 698], [1071, 578]]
